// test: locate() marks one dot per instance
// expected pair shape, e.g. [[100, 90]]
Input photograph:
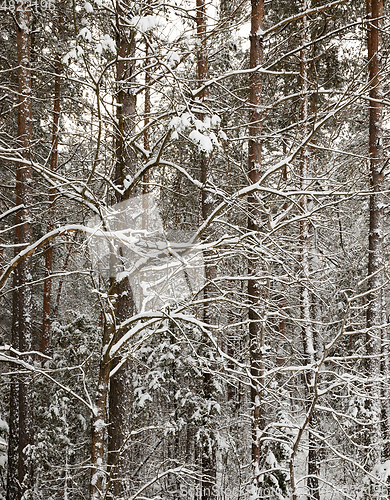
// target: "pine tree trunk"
[[256, 330], [13, 490], [305, 243], [126, 99], [120, 402], [120, 399], [45, 339], [376, 311], [99, 421], [24, 180], [208, 452], [147, 109]]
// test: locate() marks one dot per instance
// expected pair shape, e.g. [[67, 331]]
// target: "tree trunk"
[[110, 392], [208, 451], [147, 109], [376, 310], [13, 490], [24, 181], [256, 330], [120, 399], [45, 339], [305, 244], [99, 421], [120, 404], [126, 100]]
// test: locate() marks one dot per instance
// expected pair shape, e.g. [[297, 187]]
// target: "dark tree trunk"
[[208, 445], [376, 309], [24, 181], [120, 404], [126, 100], [147, 109], [256, 330], [305, 244], [45, 338], [99, 420], [120, 399], [111, 390], [13, 490]]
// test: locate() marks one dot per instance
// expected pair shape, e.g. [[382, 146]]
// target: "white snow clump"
[[202, 136], [74, 53], [107, 44], [382, 470], [88, 7], [203, 141], [145, 23], [86, 34], [172, 58], [99, 425]]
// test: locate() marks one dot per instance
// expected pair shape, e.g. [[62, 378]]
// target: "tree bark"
[[46, 320], [256, 330], [147, 109], [208, 445], [99, 420], [305, 244], [126, 100], [110, 391], [376, 310], [13, 490], [24, 181], [120, 403], [120, 399]]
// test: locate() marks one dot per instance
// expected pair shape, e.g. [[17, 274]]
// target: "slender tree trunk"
[[126, 100], [24, 180], [256, 330], [110, 392], [376, 309], [120, 404], [305, 244], [147, 109], [69, 249], [45, 339], [13, 490], [208, 452], [99, 421], [120, 399]]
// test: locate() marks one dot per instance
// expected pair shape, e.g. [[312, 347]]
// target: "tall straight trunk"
[[113, 402], [99, 420], [256, 329], [110, 391], [120, 402], [376, 310], [119, 396], [13, 490], [69, 248], [45, 338], [24, 181], [147, 109], [126, 99], [208, 452], [305, 244]]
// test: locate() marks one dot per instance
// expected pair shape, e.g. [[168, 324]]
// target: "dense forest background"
[[193, 250]]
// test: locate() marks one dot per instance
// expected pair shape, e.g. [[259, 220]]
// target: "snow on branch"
[[10, 355]]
